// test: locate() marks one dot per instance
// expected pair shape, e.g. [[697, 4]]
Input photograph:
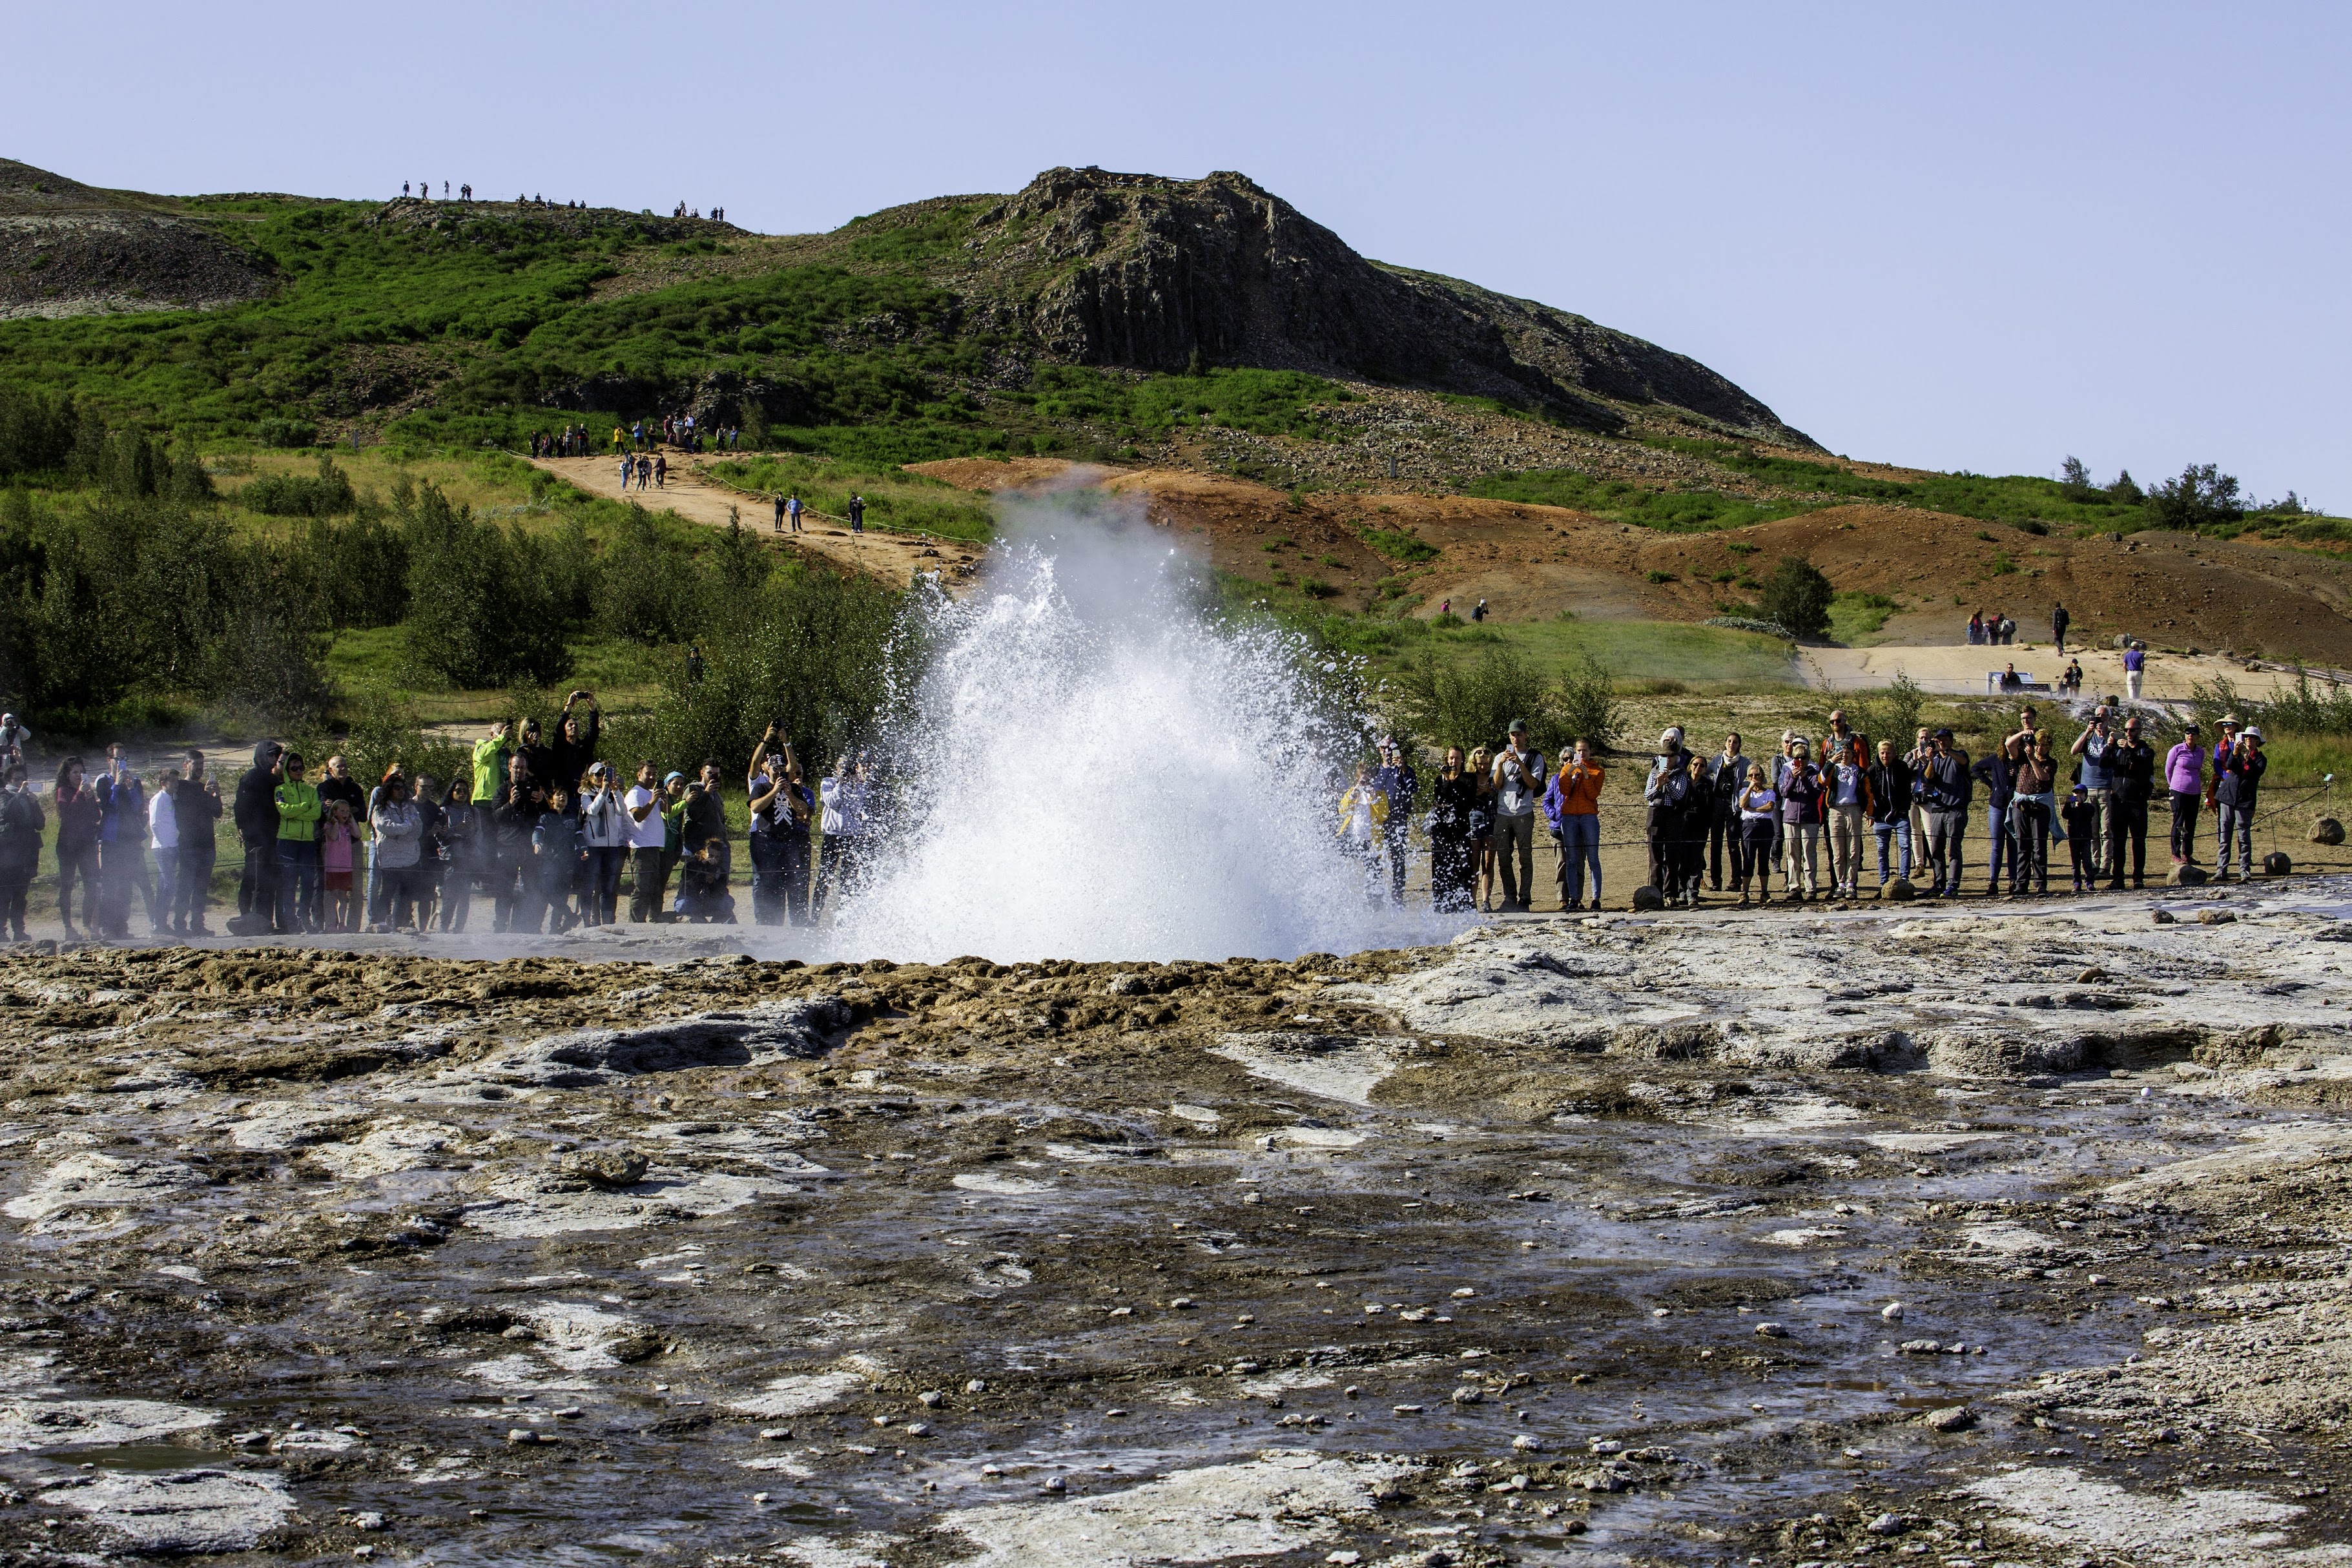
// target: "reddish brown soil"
[[1531, 562]]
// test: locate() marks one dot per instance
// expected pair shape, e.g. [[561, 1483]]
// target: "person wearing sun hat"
[[2234, 791]]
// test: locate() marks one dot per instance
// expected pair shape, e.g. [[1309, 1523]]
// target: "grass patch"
[[1681, 512], [1855, 616], [1399, 546]]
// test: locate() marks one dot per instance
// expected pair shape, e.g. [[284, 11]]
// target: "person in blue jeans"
[[1571, 803]]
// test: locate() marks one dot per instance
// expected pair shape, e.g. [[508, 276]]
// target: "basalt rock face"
[[1163, 275], [70, 249]]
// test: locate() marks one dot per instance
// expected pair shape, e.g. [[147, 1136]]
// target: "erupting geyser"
[[1093, 767]]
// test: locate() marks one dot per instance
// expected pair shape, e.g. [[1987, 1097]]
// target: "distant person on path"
[[2070, 682], [2235, 792], [298, 849], [779, 512], [1944, 783], [2134, 669], [21, 821], [2059, 621], [693, 664], [1518, 773], [1454, 798], [1889, 793], [857, 514], [1572, 803], [2184, 781], [1478, 612], [661, 471], [1482, 827], [793, 510], [1976, 628]]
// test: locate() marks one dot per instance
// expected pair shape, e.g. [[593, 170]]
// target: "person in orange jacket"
[[1572, 805]]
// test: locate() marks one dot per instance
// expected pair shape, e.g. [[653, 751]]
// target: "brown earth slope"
[[1529, 563]]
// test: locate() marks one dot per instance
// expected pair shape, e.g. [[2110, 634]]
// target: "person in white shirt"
[[164, 838], [843, 824], [648, 836], [606, 828], [1518, 783]]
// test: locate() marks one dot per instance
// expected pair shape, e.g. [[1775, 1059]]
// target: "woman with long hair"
[[1455, 796], [461, 822], [1482, 826], [77, 846]]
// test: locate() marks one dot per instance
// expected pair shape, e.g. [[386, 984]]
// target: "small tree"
[[1471, 705], [2202, 497], [1588, 703], [2075, 479], [1797, 596]]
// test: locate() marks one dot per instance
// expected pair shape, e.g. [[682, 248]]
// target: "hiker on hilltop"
[[2059, 621], [2135, 669]]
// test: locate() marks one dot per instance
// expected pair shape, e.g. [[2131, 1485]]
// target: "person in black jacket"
[[538, 757], [21, 822], [1890, 810], [1998, 773], [574, 747], [517, 903], [1945, 787], [255, 813], [195, 806], [2131, 775], [1727, 776]]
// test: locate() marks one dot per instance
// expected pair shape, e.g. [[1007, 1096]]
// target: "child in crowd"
[[337, 837], [2082, 819]]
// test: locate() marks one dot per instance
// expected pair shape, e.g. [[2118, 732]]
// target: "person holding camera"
[[1520, 782]]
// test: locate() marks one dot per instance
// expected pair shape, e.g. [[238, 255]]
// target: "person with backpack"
[[1944, 784], [121, 846], [857, 514], [2059, 621], [2079, 818], [2098, 786]]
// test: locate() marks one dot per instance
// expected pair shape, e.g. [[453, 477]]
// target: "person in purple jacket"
[[2184, 777]]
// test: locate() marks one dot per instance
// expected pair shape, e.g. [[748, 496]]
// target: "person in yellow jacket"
[[490, 764], [1363, 820], [298, 849]]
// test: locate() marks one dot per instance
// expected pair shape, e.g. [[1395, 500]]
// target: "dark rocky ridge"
[[1161, 274], [70, 249]]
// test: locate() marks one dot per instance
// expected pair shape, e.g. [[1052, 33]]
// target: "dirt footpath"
[[690, 494]]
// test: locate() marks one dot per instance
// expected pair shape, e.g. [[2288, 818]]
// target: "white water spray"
[[1093, 769]]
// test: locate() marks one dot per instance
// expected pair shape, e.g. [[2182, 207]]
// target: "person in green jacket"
[[298, 849], [490, 754]]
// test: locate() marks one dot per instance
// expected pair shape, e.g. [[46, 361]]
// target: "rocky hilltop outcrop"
[[71, 250], [1163, 274]]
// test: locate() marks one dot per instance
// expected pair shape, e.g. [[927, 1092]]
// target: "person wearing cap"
[[605, 829], [1846, 783], [1518, 776], [648, 869], [1664, 794], [14, 739], [2131, 772], [2184, 780], [1801, 795], [2098, 786], [2134, 667], [2225, 741], [1946, 787], [2235, 791]]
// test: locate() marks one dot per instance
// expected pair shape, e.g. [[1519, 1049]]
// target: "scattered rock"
[[1771, 1331], [1646, 897], [2216, 917], [1951, 1419], [2188, 876], [611, 1169], [2277, 864], [2163, 918], [2327, 830], [1892, 1311], [1899, 891], [1885, 1524]]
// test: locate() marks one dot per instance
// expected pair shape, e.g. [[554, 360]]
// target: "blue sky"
[[1974, 237]]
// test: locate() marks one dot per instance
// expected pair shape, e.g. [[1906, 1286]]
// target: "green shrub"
[[1399, 546], [1472, 704], [330, 494], [277, 431], [1588, 704], [1797, 596]]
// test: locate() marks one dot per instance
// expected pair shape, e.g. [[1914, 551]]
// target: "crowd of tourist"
[[1824, 816], [540, 828]]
